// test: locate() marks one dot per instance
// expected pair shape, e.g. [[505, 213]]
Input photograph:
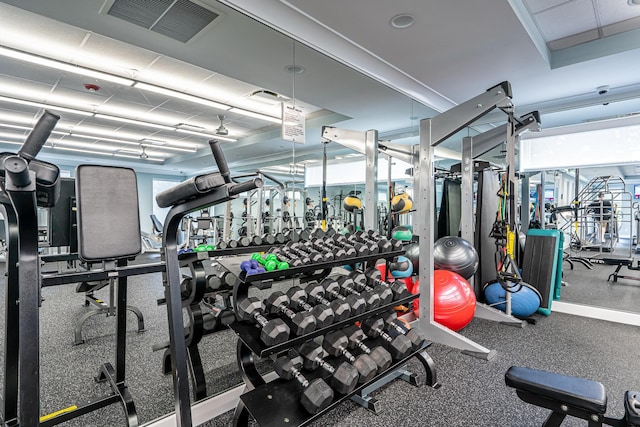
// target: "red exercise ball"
[[454, 302]]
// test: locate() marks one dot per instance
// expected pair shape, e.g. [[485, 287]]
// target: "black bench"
[[622, 262], [566, 395]]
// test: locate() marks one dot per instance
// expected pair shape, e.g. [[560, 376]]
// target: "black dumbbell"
[[216, 282], [268, 239], [323, 314], [255, 241], [372, 247], [384, 292], [309, 249], [286, 251], [344, 378], [321, 245], [349, 251], [317, 394], [280, 238], [303, 322], [341, 240], [318, 232], [282, 256], [336, 344], [357, 303], [304, 235], [399, 346], [243, 241], [341, 309], [300, 250], [398, 287], [327, 254], [379, 354], [348, 286], [368, 238], [227, 244], [273, 331], [388, 244], [416, 337]]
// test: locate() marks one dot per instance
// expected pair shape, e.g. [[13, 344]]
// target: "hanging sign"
[[293, 123]]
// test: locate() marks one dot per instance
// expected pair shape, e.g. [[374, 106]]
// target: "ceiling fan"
[[222, 130]]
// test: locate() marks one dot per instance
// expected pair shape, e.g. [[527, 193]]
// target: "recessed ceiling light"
[[404, 20], [633, 2], [294, 69]]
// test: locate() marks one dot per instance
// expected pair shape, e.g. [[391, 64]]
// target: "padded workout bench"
[[566, 395], [622, 262]]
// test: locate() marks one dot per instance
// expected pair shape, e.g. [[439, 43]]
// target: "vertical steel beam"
[[371, 179]]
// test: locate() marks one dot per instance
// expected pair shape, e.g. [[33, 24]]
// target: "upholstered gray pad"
[[108, 217], [577, 392]]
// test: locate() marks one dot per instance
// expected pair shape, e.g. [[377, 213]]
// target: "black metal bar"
[[12, 322], [220, 160], [120, 389], [81, 410], [97, 275], [199, 383], [177, 345], [23, 200], [121, 325]]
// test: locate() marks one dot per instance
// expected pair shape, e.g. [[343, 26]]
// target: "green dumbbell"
[[268, 265], [281, 265]]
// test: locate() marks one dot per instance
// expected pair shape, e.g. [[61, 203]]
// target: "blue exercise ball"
[[524, 302]]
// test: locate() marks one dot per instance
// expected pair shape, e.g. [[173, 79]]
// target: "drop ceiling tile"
[[175, 74], [554, 25], [611, 12], [45, 36], [536, 6], [113, 56]]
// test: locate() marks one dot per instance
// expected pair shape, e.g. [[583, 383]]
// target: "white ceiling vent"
[[179, 19], [267, 96]]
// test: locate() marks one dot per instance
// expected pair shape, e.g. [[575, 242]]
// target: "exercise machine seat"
[[577, 392]]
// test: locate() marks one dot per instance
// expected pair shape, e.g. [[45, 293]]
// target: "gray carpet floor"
[[590, 287], [472, 392]]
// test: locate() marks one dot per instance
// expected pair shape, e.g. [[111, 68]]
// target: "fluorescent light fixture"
[[133, 122], [180, 95], [128, 156], [78, 150], [101, 153], [11, 135], [7, 125], [206, 135], [255, 115], [79, 144], [63, 66], [43, 105]]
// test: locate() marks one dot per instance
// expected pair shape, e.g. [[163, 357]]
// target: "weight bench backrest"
[[108, 216]]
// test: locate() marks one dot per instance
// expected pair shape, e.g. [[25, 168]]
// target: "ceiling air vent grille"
[[179, 19]]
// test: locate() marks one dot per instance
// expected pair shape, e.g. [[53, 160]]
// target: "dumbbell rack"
[[276, 403], [192, 302]]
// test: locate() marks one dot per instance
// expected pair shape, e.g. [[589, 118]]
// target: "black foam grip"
[[38, 135], [221, 162], [17, 169], [245, 186]]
